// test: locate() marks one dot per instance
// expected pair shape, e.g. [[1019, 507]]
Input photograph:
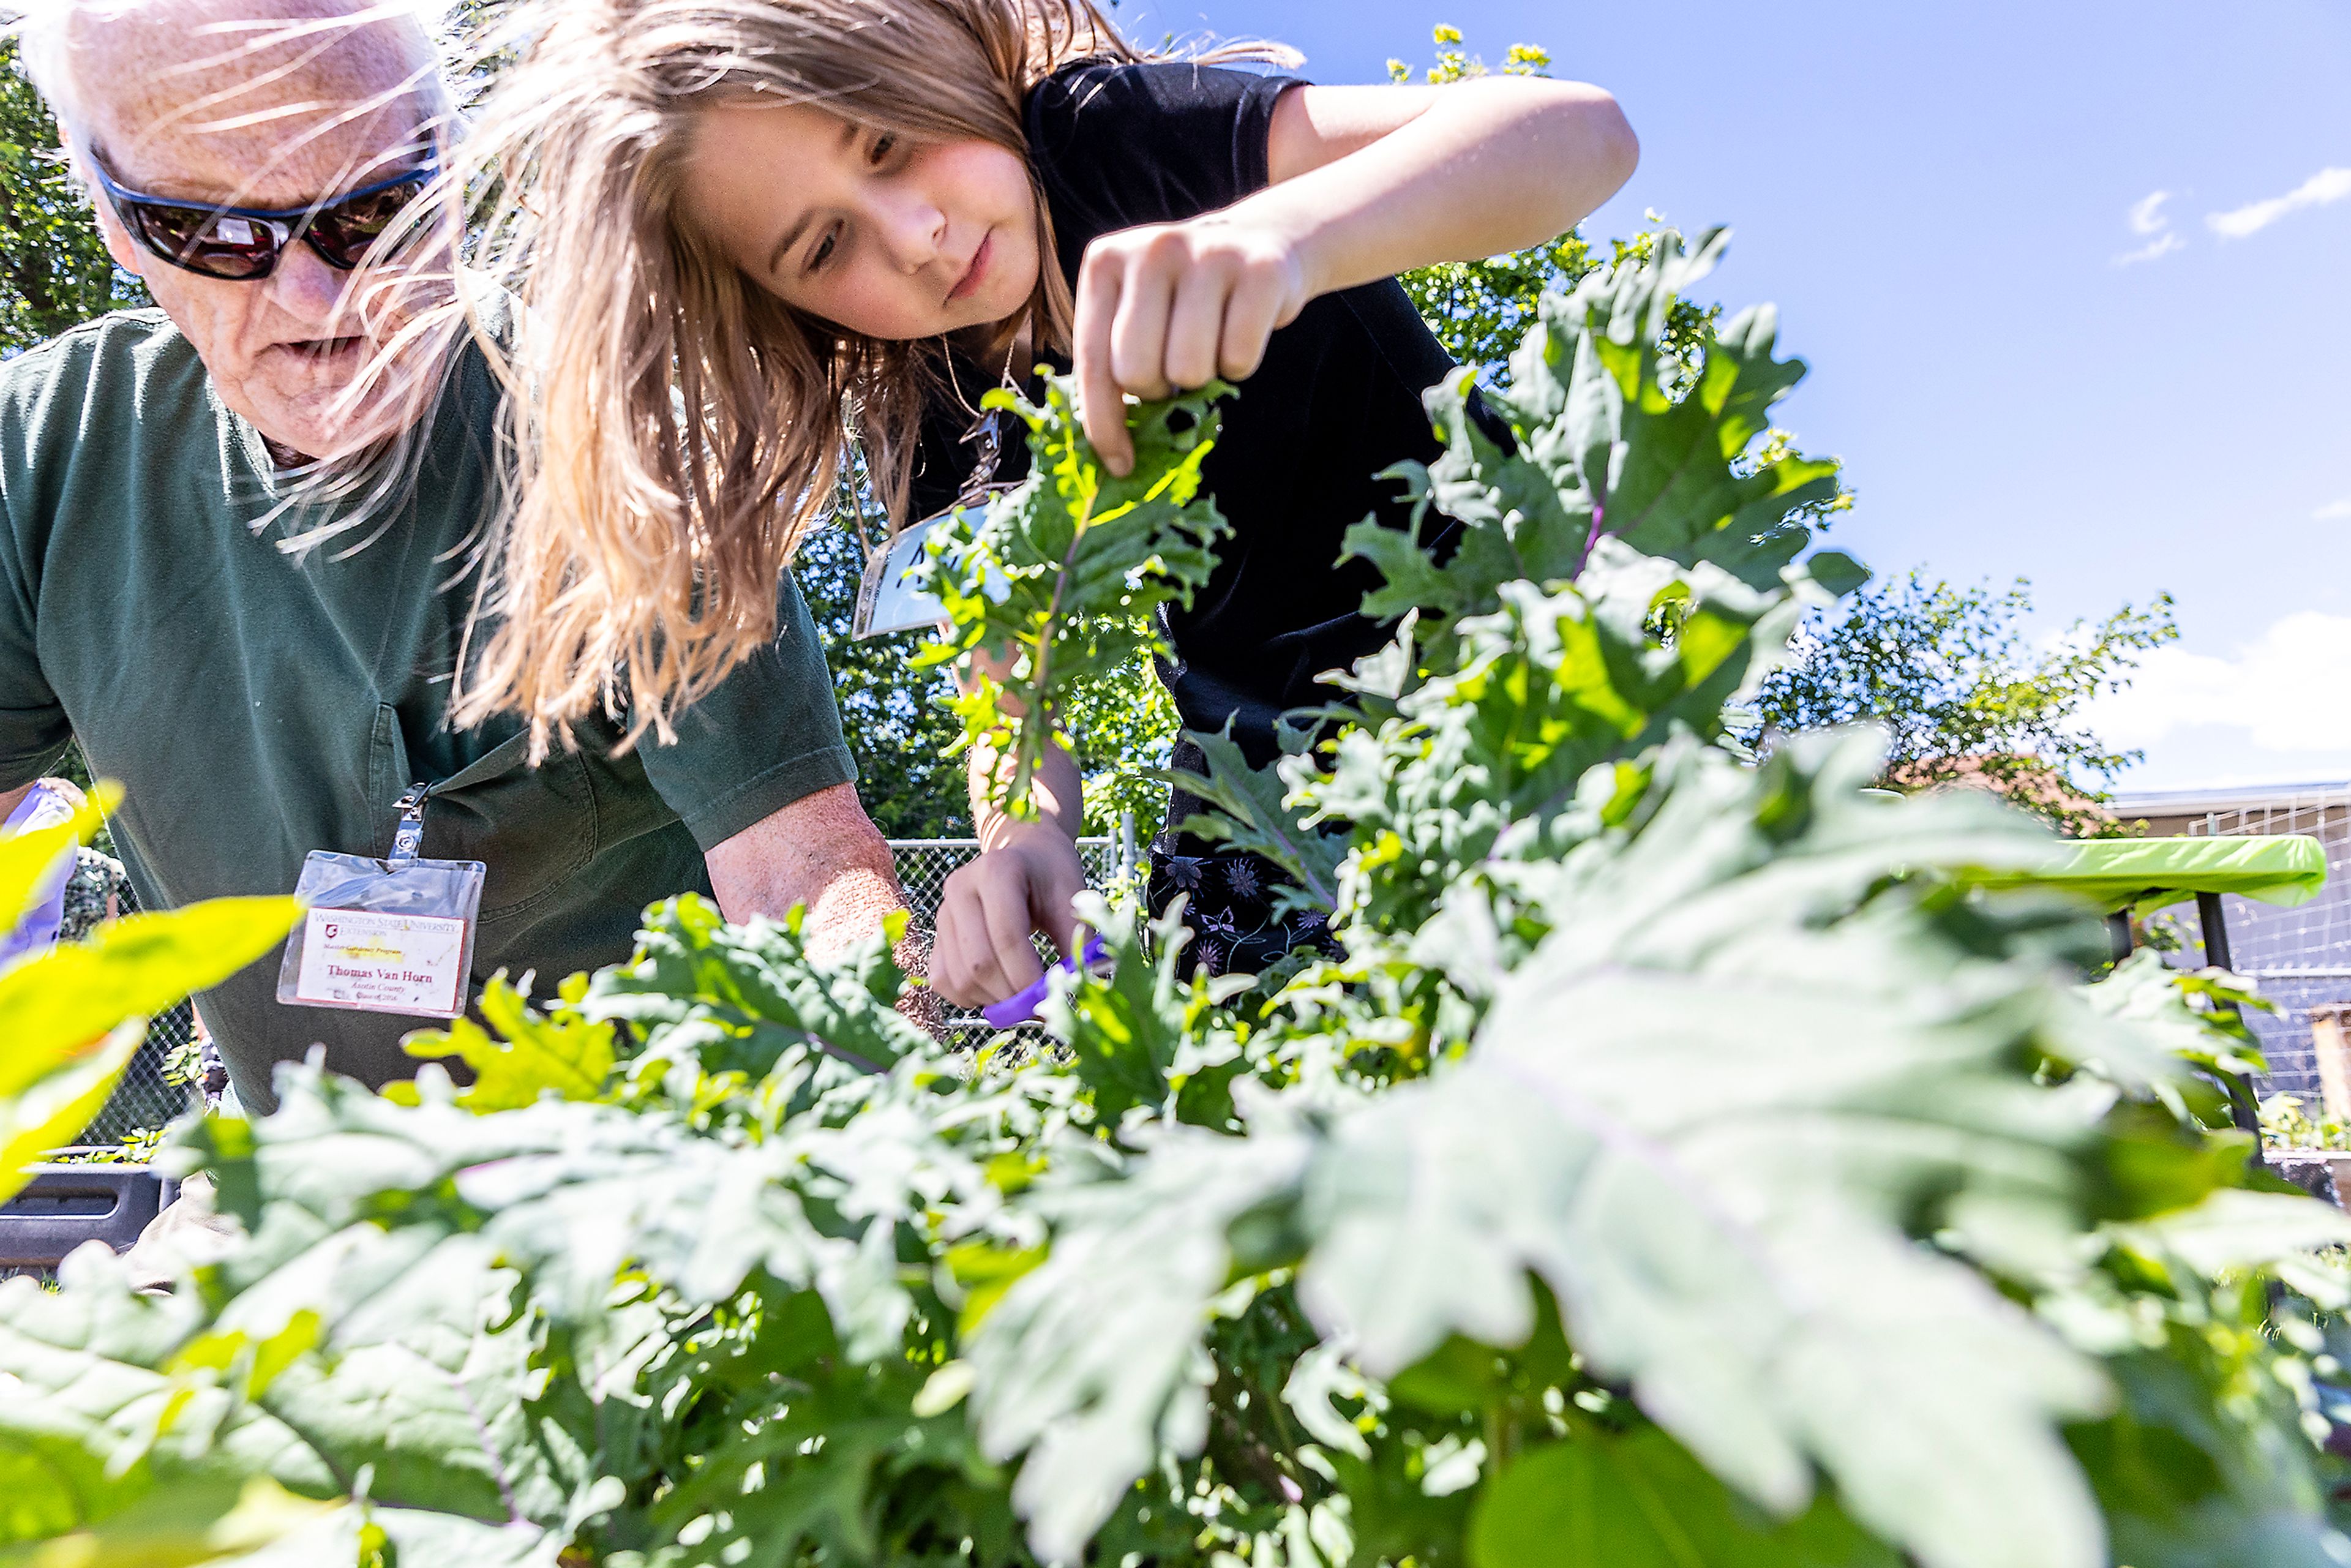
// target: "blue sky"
[[1938, 198]]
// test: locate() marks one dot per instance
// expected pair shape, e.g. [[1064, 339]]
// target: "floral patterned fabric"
[[1229, 910], [97, 881]]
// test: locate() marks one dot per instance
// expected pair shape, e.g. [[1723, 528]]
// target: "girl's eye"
[[825, 249], [883, 146]]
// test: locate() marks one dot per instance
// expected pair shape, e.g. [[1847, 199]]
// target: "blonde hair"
[[675, 428]]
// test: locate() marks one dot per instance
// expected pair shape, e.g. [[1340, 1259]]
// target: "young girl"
[[739, 224]]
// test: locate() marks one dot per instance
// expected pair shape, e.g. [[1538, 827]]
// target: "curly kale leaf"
[[736, 998], [1547, 687], [1062, 578], [531, 1054], [1608, 444], [1693, 1159]]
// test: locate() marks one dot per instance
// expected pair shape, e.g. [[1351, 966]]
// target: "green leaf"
[[2191, 1470], [1734, 1251], [1253, 814], [215, 1519], [737, 998], [74, 1015], [29, 860], [91, 1424], [1641, 1502], [37, 1114], [2233, 1230], [1089, 1363], [533, 1054], [135, 967], [1837, 572], [1059, 579], [1126, 1030], [1609, 444]]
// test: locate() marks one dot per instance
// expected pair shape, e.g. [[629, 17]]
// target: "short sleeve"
[[1118, 145], [770, 734]]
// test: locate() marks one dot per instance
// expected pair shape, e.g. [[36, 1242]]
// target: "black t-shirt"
[[1337, 399]]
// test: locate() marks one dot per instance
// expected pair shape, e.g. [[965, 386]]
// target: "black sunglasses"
[[244, 243]]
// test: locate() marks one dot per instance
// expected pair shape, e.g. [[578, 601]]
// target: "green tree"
[[1966, 694], [900, 729], [53, 269]]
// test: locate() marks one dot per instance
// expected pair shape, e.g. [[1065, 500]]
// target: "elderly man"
[[258, 703]]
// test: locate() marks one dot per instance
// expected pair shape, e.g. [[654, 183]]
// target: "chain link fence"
[[147, 1098], [924, 865]]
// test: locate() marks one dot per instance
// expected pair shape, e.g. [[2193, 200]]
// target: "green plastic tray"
[[2143, 874]]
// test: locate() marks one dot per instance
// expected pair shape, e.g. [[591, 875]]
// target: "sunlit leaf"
[[533, 1053]]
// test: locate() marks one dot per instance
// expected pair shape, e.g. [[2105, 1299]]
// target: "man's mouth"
[[977, 272], [325, 350]]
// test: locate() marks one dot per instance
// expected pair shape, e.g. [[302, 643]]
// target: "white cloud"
[[2326, 185], [2145, 217], [2162, 244], [2289, 693], [2333, 509]]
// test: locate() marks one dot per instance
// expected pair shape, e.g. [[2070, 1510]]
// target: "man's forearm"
[[822, 852]]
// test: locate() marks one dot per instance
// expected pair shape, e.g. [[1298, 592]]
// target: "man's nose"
[[304, 287]]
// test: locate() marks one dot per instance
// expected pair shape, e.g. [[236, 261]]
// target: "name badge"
[[385, 962], [393, 935], [889, 596]]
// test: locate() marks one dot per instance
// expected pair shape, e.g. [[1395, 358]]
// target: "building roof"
[[2130, 803]]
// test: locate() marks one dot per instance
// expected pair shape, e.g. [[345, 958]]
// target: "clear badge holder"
[[888, 597], [390, 935]]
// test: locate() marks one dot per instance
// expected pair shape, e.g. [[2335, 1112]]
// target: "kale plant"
[[1686, 1165], [1057, 580]]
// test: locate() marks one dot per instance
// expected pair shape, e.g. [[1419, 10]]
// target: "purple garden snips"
[[1021, 1006]]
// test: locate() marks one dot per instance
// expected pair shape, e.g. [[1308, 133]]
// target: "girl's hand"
[[1172, 305], [980, 952], [1363, 182]]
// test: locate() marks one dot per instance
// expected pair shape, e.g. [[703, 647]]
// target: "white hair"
[[54, 36]]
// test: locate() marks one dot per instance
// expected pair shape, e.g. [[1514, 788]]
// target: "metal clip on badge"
[[1021, 1007], [408, 838]]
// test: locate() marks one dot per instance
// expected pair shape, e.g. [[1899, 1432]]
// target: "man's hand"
[[990, 906]]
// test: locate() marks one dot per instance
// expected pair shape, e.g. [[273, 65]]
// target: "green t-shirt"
[[257, 706]]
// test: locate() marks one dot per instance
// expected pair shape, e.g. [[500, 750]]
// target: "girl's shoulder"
[[1156, 89], [1118, 143]]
